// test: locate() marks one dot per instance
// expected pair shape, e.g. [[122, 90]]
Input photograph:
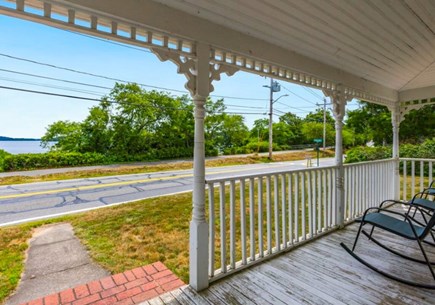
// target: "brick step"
[[130, 287]]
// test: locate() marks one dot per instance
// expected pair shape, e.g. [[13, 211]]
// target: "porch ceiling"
[[391, 43], [383, 51]]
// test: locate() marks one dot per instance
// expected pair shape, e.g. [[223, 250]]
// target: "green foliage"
[[349, 138], [418, 125], [426, 150], [365, 153], [131, 124], [262, 146], [314, 130], [3, 155], [51, 160], [66, 135], [373, 122], [317, 116]]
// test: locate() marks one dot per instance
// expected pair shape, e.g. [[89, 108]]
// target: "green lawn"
[[118, 238]]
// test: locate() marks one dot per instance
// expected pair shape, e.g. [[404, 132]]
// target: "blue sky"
[[27, 115]]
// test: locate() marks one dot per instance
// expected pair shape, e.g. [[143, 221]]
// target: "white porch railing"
[[416, 174], [367, 184], [255, 217]]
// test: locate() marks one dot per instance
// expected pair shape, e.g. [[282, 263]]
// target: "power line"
[[245, 113], [112, 102], [116, 79], [313, 93], [51, 86], [301, 97], [55, 79], [51, 93], [248, 107], [108, 41], [300, 109]]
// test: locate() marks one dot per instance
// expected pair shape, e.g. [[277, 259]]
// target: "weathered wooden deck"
[[320, 272]]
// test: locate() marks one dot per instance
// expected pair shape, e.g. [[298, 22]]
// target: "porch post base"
[[198, 255]]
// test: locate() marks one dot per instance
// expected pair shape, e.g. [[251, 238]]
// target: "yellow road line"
[[97, 186]]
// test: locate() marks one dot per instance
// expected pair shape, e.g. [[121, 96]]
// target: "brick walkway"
[[131, 287]]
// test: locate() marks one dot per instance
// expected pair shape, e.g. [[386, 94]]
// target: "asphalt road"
[[27, 202]]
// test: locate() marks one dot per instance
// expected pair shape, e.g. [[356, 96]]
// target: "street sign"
[[318, 140]]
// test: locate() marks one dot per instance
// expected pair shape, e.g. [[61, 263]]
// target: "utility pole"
[[274, 87], [324, 126], [270, 118]]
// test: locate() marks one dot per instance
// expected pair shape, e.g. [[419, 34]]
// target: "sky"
[[24, 44]]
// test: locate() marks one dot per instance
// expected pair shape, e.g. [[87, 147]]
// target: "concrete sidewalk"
[[58, 270], [56, 260]]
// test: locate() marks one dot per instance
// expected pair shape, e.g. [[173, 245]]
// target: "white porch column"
[[339, 101], [200, 71], [198, 254], [395, 120]]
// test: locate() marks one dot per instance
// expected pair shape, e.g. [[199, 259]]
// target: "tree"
[[418, 125], [372, 121], [314, 130], [234, 133], [283, 135], [223, 131], [67, 135], [176, 127], [134, 114], [295, 125], [260, 130], [95, 129], [317, 116]]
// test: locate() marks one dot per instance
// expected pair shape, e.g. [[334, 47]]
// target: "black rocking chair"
[[427, 208], [404, 227]]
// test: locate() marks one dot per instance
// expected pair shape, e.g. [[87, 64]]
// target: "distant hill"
[[17, 139]]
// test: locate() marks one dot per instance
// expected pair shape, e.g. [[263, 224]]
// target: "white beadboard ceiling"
[[383, 49], [390, 42]]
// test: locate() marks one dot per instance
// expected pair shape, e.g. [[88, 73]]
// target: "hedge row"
[[51, 160], [3, 155], [364, 153], [20, 162], [426, 150]]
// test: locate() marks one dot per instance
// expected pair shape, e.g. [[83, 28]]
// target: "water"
[[22, 147]]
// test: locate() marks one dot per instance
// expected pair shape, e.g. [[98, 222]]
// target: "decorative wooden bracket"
[[187, 66], [339, 100]]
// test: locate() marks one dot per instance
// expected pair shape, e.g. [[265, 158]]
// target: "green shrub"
[[69, 159], [364, 153], [425, 150], [51, 160], [262, 146], [3, 155]]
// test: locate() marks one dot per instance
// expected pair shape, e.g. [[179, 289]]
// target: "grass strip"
[[180, 165]]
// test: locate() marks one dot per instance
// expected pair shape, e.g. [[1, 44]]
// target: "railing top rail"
[[369, 162], [416, 159], [233, 178]]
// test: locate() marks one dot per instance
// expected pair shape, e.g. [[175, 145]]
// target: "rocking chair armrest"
[[393, 201], [428, 191], [379, 210], [408, 204]]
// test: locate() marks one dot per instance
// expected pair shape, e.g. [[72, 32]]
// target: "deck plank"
[[321, 272]]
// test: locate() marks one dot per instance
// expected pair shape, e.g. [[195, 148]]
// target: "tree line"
[[131, 121]]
